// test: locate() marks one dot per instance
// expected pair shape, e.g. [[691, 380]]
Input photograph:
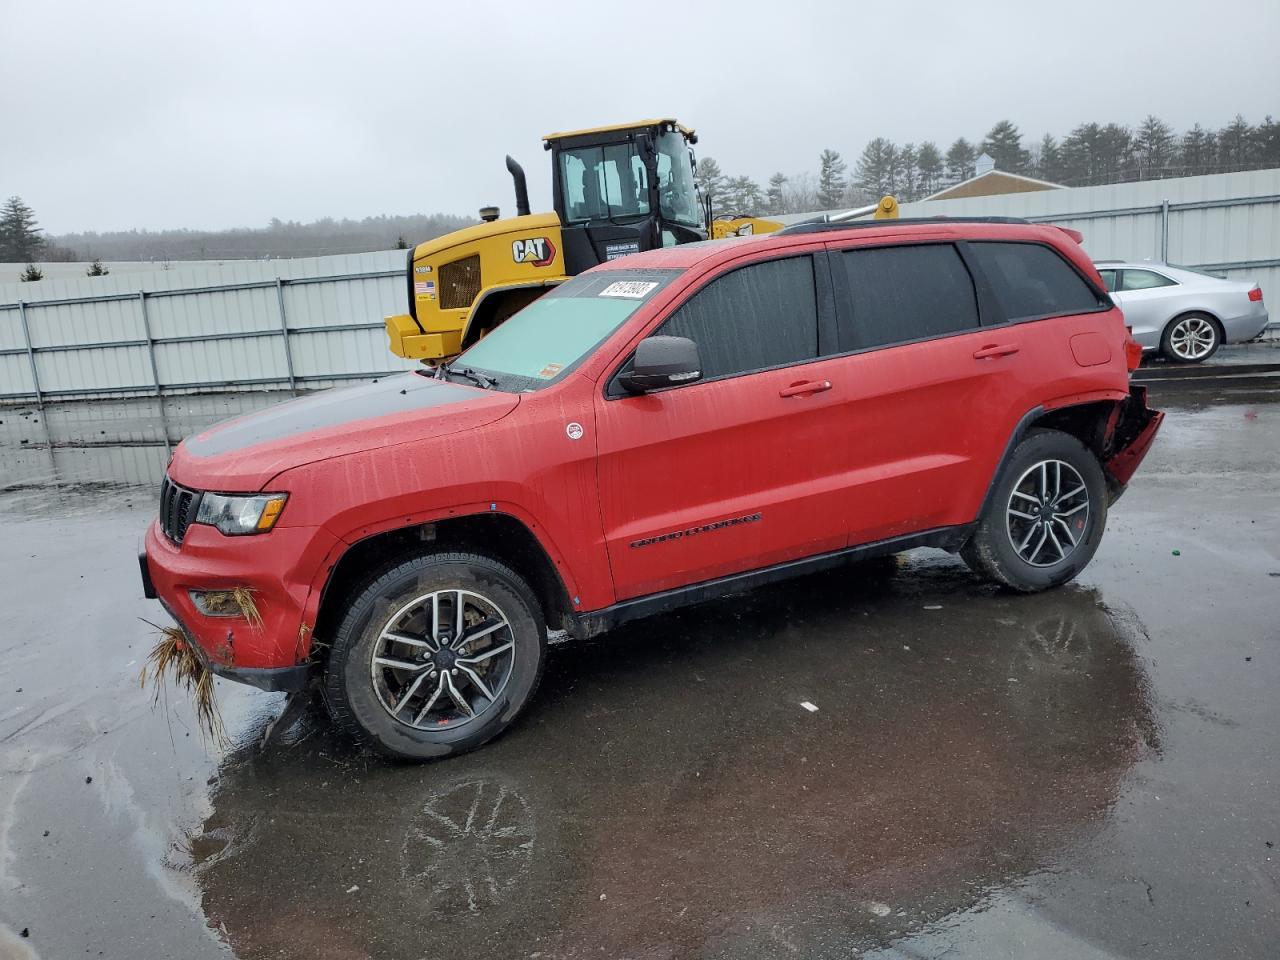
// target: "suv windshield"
[[553, 334], [678, 198]]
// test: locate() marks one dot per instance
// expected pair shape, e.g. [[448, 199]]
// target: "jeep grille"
[[178, 507]]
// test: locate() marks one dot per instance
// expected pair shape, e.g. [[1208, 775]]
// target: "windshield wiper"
[[479, 379]]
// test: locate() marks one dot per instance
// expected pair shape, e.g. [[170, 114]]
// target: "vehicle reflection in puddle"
[[667, 795]]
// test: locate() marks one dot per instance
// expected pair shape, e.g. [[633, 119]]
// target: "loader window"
[[604, 183], [677, 195]]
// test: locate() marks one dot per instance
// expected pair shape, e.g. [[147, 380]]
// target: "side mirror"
[[662, 362]]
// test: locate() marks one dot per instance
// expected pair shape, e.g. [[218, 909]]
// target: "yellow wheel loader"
[[616, 190]]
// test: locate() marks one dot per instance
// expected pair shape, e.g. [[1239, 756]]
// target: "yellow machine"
[[616, 190], [741, 226]]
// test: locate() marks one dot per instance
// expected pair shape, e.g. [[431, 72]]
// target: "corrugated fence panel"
[[83, 371], [73, 323], [222, 361], [11, 331], [15, 375], [323, 353]]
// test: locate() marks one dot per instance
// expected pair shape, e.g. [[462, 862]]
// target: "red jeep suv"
[[660, 430]]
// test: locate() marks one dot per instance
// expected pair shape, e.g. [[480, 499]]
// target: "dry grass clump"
[[219, 601], [172, 654]]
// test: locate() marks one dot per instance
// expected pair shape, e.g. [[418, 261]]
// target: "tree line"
[[1090, 154], [22, 241]]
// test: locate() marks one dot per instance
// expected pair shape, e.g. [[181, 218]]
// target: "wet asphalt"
[[1089, 772]]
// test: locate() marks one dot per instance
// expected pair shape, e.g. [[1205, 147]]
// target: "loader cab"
[[623, 189]]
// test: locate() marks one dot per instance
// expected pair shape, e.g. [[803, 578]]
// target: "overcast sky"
[[116, 115]]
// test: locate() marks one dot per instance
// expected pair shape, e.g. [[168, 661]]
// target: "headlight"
[[255, 513]]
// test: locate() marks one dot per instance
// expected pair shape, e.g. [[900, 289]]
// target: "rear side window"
[[763, 315], [1108, 279], [1143, 280], [896, 294], [1031, 280]]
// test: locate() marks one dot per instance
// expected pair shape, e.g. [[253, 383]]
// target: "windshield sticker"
[[550, 370], [631, 289]]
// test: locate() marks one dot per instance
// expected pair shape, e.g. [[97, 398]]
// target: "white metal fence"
[[266, 324], [1228, 224], [289, 323]]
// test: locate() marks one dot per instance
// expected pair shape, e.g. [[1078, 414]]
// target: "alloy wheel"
[[1193, 338], [1047, 513], [443, 659]]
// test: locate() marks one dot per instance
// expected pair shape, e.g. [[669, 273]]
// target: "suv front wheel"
[[436, 656], [1045, 517]]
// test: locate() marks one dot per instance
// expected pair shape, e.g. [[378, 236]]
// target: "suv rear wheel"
[[1045, 518], [436, 656]]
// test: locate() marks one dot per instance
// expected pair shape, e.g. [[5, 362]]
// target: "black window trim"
[[824, 301], [985, 301], [1104, 298]]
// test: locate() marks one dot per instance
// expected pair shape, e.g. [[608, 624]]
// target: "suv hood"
[[243, 454]]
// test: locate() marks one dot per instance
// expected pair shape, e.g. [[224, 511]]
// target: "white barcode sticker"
[[632, 289]]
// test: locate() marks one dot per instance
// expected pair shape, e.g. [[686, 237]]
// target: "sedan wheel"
[[1191, 339]]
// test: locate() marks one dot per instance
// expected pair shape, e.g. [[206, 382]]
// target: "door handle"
[[804, 388], [993, 350]]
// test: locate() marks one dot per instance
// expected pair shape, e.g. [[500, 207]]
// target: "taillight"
[[1256, 294], [1132, 351]]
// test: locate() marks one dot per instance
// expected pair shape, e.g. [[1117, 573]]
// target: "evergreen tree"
[[929, 165], [908, 179], [96, 269], [874, 171], [31, 274], [1199, 151], [1048, 165], [20, 238], [1235, 144], [1266, 143], [1080, 163], [741, 195], [831, 179], [1003, 143], [960, 159], [1154, 147], [711, 182], [773, 195], [401, 243], [1115, 153]]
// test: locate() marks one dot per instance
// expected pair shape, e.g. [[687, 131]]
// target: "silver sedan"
[[1184, 314]]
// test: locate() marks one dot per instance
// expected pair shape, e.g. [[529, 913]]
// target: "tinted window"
[[1143, 280], [1033, 281], [905, 293], [764, 315], [1108, 279]]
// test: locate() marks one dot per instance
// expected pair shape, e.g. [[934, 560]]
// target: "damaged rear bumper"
[[1130, 433]]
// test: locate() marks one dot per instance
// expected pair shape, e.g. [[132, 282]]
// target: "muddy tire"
[[436, 656], [1045, 517]]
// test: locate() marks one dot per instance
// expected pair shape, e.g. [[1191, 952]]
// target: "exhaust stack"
[[522, 189]]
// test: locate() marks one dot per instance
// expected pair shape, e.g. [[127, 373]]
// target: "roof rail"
[[820, 226]]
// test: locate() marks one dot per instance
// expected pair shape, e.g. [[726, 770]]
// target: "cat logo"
[[538, 251]]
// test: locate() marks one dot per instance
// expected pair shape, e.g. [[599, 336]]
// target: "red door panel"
[[720, 477]]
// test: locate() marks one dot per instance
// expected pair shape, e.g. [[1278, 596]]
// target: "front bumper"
[[278, 567], [1130, 435]]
